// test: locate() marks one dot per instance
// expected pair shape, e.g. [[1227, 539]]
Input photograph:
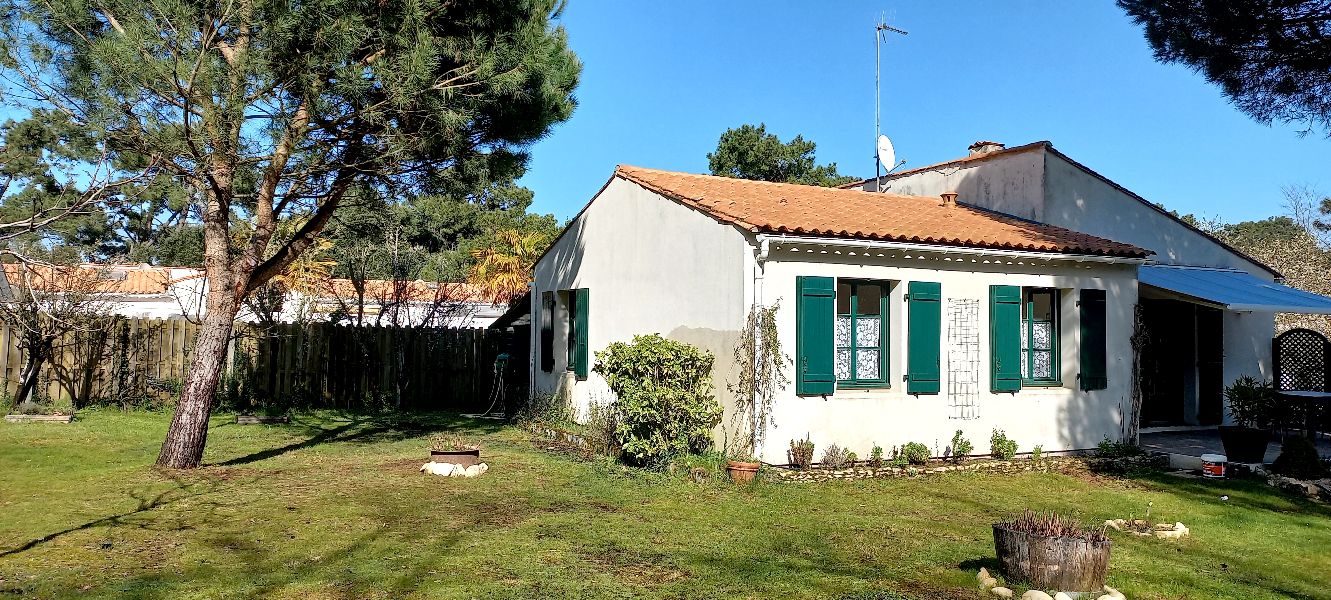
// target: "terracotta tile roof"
[[784, 208], [415, 291], [116, 279]]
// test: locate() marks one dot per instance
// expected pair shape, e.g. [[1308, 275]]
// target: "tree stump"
[[1052, 563]]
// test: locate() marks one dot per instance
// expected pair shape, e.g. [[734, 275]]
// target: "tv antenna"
[[884, 154]]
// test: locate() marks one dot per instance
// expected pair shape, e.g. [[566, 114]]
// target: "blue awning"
[[1232, 290]]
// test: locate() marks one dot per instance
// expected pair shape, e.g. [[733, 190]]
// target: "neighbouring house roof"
[[783, 208], [1049, 146], [414, 291], [115, 279], [148, 280]]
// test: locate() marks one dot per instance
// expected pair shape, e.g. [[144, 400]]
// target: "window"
[[571, 348], [576, 301], [861, 333], [547, 331], [1039, 337]]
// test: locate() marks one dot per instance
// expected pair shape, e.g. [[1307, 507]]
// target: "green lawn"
[[332, 507]]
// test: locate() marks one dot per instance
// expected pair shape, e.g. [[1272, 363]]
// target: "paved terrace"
[[1207, 441]]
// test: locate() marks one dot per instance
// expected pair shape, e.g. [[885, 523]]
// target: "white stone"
[[472, 471], [983, 574], [436, 468], [1062, 596], [1115, 593], [988, 582], [1001, 592], [1035, 595]]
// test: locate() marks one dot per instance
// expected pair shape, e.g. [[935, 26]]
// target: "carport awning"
[[1234, 290]]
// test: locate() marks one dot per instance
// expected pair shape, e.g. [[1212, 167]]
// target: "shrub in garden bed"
[[801, 453], [836, 457], [664, 405], [1299, 459], [914, 453], [960, 447], [1001, 446]]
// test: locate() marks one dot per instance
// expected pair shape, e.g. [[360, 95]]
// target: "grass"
[[332, 506]]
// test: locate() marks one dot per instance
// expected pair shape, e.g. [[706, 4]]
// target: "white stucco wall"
[[650, 266], [1043, 186], [1082, 202], [1012, 183], [1059, 418]]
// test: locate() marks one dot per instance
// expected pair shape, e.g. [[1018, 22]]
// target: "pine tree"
[[269, 110], [1271, 58], [749, 152]]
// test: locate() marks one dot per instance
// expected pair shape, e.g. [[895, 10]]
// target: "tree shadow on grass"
[[184, 488], [369, 429]]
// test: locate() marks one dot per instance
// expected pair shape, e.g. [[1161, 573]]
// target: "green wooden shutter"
[[547, 331], [814, 344], [1094, 355], [924, 333], [1005, 337], [580, 363]]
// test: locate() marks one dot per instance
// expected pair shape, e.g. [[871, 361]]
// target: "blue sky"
[[661, 81]]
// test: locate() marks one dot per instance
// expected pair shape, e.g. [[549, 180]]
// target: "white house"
[[908, 316], [1208, 309], [152, 292]]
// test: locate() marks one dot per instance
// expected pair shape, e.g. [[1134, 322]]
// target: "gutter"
[[779, 240]]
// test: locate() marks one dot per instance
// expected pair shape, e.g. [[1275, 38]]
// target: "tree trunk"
[[183, 448], [32, 367]]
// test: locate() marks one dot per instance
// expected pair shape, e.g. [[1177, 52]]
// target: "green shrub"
[[915, 453], [28, 407], [1108, 448], [1251, 403], [1298, 459], [664, 400], [876, 457], [602, 423], [852, 458], [801, 453], [1001, 447], [834, 457], [1037, 452], [960, 447], [546, 409]]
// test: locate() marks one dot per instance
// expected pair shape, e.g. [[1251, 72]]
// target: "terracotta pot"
[[1244, 444], [465, 458], [742, 472]]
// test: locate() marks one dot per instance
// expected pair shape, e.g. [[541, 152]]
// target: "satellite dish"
[[887, 155]]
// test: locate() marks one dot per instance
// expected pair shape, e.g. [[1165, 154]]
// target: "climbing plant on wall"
[[761, 374]]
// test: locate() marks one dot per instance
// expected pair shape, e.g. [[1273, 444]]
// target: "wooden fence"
[[144, 361]]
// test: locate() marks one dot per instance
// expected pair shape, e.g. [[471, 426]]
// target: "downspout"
[[533, 343], [759, 276]]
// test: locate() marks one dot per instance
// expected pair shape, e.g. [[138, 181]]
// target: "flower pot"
[[1244, 444], [1052, 563], [742, 472], [465, 458]]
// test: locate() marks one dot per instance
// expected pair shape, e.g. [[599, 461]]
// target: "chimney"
[[949, 199], [985, 147]]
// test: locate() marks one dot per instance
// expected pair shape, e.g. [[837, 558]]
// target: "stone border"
[[39, 418], [560, 436], [1059, 464], [261, 420]]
